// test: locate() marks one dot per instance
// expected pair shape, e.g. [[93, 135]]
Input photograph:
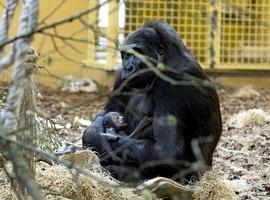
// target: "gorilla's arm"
[[95, 138], [162, 145], [150, 157], [176, 122], [140, 130], [91, 133]]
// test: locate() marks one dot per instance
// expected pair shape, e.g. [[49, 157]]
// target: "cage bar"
[[242, 39]]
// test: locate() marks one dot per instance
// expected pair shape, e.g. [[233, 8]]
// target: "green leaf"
[[171, 120]]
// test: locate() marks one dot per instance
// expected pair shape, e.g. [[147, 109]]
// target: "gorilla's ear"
[[161, 48]]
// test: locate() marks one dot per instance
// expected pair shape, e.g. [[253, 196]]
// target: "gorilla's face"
[[145, 41], [130, 62]]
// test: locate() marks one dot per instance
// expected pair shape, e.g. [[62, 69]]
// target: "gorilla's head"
[[146, 42], [158, 42]]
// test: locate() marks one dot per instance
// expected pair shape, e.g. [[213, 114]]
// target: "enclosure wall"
[[56, 55]]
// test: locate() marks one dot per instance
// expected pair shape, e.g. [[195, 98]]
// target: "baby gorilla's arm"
[[105, 140], [110, 136]]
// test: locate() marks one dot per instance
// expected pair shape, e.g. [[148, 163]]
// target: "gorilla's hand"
[[129, 149]]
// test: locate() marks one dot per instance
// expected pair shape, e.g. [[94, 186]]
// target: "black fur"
[[186, 116]]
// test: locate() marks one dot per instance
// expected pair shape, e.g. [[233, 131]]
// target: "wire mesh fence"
[[240, 29]]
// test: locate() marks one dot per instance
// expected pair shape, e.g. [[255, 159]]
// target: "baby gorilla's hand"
[[110, 137]]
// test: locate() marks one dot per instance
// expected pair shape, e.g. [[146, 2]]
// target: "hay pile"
[[213, 187], [58, 182], [249, 117], [246, 92]]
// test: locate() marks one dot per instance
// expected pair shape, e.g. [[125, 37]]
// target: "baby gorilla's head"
[[115, 120]]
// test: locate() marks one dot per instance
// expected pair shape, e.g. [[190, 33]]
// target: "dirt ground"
[[242, 156], [55, 102]]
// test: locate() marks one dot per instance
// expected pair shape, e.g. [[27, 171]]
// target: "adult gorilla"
[[184, 107]]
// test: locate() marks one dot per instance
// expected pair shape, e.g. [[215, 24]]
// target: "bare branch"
[[46, 155], [52, 12], [20, 167], [73, 39], [62, 54], [55, 24]]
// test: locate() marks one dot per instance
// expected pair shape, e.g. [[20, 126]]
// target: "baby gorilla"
[[98, 140], [114, 123]]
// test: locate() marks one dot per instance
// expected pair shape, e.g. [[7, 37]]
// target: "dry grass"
[[242, 160], [249, 117], [246, 92], [58, 182], [213, 187]]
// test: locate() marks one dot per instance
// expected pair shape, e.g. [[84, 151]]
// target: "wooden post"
[[214, 48]]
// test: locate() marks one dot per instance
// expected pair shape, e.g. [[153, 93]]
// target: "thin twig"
[[54, 24]]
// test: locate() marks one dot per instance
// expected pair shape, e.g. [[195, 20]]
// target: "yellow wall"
[[258, 82], [59, 66], [55, 63]]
